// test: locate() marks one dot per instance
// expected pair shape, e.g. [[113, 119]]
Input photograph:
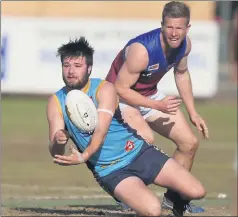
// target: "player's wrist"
[[192, 113], [154, 104], [85, 156], [80, 158]]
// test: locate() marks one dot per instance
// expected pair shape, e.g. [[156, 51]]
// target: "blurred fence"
[[32, 31]]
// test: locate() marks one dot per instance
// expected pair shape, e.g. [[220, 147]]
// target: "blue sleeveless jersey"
[[121, 144], [158, 65], [157, 61]]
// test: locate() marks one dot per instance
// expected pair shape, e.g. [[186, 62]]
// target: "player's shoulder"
[[53, 98], [106, 85], [136, 46], [106, 91], [99, 82], [137, 51]]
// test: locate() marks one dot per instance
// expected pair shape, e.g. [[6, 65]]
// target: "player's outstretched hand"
[[200, 124], [74, 158], [61, 137], [169, 104]]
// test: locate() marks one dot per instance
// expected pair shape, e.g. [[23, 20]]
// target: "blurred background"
[[32, 31]]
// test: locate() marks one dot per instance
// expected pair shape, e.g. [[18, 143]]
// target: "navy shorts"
[[146, 166]]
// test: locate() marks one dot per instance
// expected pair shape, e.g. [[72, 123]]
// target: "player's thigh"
[[135, 120], [174, 176], [133, 192], [174, 127]]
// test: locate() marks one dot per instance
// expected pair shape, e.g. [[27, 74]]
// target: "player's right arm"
[[58, 136], [136, 61]]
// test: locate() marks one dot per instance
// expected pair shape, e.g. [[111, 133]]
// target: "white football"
[[81, 110]]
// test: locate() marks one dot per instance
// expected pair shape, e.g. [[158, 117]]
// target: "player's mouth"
[[174, 40], [71, 77]]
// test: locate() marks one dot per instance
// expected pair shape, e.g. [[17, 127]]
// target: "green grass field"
[[28, 169]]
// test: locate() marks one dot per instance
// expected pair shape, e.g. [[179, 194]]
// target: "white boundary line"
[[83, 197], [99, 193], [51, 188]]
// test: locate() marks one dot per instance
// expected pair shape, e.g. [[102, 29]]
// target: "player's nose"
[[173, 32], [71, 70]]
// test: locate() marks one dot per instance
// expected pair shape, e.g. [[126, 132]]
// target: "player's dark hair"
[[175, 9], [78, 47]]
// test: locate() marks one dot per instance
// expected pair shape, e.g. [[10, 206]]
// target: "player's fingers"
[[201, 133], [173, 109], [176, 100], [173, 98], [175, 105], [199, 128], [61, 162], [63, 139], [61, 157], [72, 149], [172, 112], [61, 142], [206, 134], [205, 129], [204, 126], [197, 124]]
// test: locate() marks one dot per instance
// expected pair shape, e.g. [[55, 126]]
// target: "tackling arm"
[[136, 61], [107, 104], [183, 81]]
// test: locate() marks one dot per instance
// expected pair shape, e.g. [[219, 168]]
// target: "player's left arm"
[[107, 104], [184, 86], [183, 81]]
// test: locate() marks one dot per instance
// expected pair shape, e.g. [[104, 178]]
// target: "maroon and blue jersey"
[[157, 66]]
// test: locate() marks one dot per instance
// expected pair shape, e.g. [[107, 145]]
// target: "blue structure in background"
[[3, 57]]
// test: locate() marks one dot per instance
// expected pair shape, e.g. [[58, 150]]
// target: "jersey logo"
[[146, 74], [153, 67], [129, 146]]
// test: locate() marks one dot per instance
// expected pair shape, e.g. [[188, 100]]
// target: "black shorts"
[[146, 166]]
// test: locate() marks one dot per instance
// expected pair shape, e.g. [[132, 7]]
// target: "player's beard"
[[78, 85]]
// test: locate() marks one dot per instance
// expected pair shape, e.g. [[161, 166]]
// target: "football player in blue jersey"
[[121, 161]]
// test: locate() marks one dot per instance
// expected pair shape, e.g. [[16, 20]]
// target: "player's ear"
[[188, 27], [89, 70]]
